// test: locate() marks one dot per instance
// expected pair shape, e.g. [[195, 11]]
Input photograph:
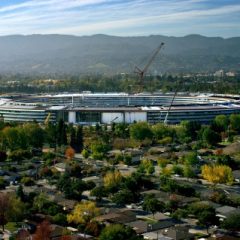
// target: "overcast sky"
[[121, 18]]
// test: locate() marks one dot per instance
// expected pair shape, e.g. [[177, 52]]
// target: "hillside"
[[108, 54]]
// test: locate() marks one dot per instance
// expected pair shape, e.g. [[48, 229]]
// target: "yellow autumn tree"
[[217, 174], [112, 179], [83, 213]]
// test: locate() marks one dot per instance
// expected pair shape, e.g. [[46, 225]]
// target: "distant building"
[[230, 74], [219, 73], [107, 108]]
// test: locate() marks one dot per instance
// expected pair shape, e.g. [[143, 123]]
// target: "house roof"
[[139, 226], [123, 216], [225, 211], [236, 174]]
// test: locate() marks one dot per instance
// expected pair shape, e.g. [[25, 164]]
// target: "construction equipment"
[[142, 72], [46, 121], [170, 106]]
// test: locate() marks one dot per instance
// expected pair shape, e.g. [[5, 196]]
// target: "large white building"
[[106, 108]]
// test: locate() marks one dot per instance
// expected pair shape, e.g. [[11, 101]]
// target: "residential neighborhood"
[[146, 181]]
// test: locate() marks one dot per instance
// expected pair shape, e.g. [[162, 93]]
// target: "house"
[[236, 175], [139, 226], [122, 216], [178, 233], [161, 222], [225, 211], [60, 167], [155, 236], [97, 180]]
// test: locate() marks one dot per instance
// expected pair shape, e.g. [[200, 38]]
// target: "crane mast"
[[142, 72]]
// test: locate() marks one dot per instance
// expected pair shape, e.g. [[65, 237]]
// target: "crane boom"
[[142, 72], [170, 106]]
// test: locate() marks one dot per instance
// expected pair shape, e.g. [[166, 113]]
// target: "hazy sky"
[[122, 18]]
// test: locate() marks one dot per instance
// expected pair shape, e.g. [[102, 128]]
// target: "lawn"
[[12, 226]]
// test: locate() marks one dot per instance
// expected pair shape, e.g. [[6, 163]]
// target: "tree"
[[3, 156], [235, 122], [140, 131], [205, 214], [118, 232], [93, 228], [17, 209], [40, 201], [221, 122], [99, 148], [79, 139], [123, 196], [69, 153], [191, 158], [35, 134], [99, 192], [192, 128], [61, 133], [217, 174], [15, 138], [210, 137], [19, 192], [4, 208], [83, 212], [188, 172], [146, 166], [151, 204], [162, 131], [73, 139], [112, 179], [85, 153], [43, 231], [51, 134], [232, 222], [11, 209]]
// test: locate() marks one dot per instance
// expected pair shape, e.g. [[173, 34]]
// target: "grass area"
[[12, 226], [225, 143]]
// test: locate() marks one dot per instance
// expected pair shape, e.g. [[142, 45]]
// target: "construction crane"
[[170, 106], [142, 72], [48, 118]]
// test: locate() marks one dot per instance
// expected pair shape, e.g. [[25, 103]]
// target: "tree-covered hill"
[[63, 54]]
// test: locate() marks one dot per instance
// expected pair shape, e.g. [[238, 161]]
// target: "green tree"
[[146, 166], [51, 134], [61, 133], [140, 131], [235, 122], [99, 192], [11, 209], [221, 122], [118, 232], [79, 139], [123, 197], [35, 134], [210, 137], [151, 204], [188, 172], [191, 158], [161, 131], [205, 214], [232, 222]]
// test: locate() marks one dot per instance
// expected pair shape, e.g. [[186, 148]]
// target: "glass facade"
[[88, 117]]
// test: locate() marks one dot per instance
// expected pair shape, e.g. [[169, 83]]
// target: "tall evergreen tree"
[[61, 133], [73, 138], [79, 139]]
